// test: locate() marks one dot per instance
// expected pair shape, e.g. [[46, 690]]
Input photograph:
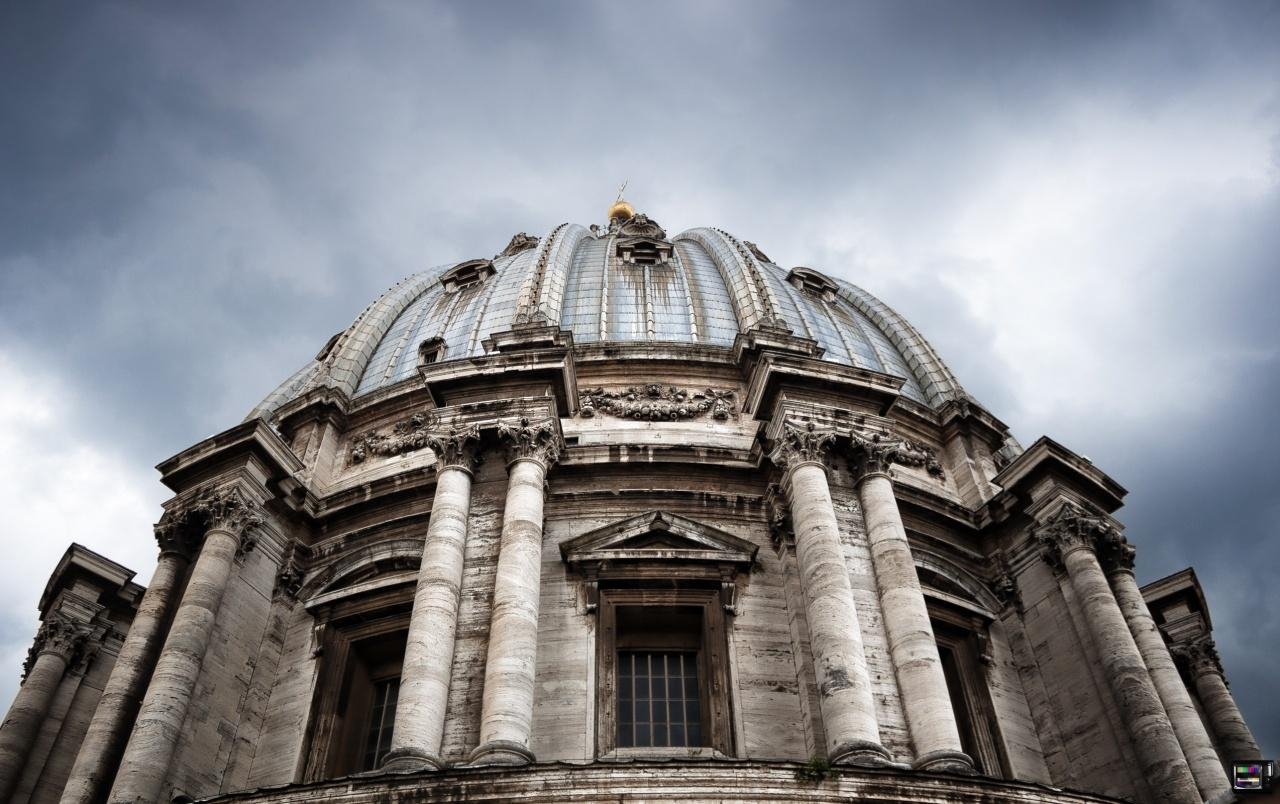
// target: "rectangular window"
[[381, 721], [658, 699], [663, 669]]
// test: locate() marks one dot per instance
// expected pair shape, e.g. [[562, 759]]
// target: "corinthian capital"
[[173, 535], [456, 446], [1199, 656], [801, 443], [1071, 529], [227, 510], [1115, 552], [538, 440], [58, 635], [873, 453]]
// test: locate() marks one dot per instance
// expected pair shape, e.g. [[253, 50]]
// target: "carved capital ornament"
[[802, 443], [1199, 657], [537, 440], [58, 635], [1071, 529], [230, 511], [456, 446]]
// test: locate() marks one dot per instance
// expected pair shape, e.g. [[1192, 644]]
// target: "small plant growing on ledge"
[[815, 770]]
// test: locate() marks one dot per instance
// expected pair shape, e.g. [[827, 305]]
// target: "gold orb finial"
[[621, 210]]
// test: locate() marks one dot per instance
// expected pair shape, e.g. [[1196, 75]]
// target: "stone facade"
[[838, 574]]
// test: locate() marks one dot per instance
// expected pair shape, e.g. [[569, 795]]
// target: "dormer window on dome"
[[465, 274], [814, 282], [641, 241]]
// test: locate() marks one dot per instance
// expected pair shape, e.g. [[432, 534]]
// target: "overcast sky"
[[1079, 206]]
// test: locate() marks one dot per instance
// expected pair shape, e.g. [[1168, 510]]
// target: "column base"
[[409, 760], [862, 753], [500, 752], [946, 762]]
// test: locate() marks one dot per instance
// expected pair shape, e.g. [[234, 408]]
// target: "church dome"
[[627, 284]]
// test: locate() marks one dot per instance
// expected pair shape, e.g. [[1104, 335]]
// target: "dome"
[[626, 284], [617, 514]]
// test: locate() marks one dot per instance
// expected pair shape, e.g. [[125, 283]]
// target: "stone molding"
[[1071, 529], [59, 635], [802, 443], [536, 440], [654, 402], [1199, 657]]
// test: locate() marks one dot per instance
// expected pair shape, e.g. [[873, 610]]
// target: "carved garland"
[[659, 403], [877, 452], [405, 436]]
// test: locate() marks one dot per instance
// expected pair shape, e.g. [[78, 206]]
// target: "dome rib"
[[937, 381]]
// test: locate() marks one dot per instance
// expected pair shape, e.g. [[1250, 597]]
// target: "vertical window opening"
[[382, 720]]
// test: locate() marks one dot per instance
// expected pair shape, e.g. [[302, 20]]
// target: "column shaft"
[[433, 626], [911, 642], [507, 713], [155, 735], [22, 724], [1187, 726], [835, 637], [1159, 754], [103, 744], [1234, 737]]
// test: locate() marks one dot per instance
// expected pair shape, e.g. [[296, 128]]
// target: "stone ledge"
[[660, 780]]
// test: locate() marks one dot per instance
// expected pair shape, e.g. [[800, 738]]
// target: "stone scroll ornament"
[[456, 445], [659, 403]]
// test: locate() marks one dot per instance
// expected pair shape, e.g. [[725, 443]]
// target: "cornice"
[[253, 438]]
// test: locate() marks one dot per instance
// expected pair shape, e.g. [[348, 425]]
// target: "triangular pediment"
[[658, 536]]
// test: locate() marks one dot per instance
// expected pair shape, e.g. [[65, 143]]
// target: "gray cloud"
[[195, 198]]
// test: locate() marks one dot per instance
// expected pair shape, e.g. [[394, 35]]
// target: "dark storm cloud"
[[194, 198]]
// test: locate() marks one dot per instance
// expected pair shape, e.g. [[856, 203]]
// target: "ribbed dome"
[[624, 284]]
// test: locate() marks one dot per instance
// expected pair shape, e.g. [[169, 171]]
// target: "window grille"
[[658, 699]]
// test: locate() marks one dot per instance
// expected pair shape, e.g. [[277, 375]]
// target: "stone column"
[[912, 646], [1234, 738], [433, 624], [1211, 780], [1069, 541], [99, 755], [507, 713], [57, 642], [844, 685], [230, 517]]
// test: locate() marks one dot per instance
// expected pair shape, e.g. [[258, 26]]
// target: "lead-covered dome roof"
[[628, 283]]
